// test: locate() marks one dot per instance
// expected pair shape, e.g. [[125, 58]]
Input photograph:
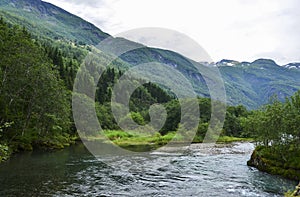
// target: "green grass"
[[288, 194], [134, 138], [223, 139], [229, 139], [126, 138]]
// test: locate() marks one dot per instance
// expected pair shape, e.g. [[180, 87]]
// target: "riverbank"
[[5, 152], [266, 160], [152, 141], [127, 140], [45, 143], [293, 193]]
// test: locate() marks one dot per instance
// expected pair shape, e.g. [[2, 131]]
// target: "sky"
[[242, 30]]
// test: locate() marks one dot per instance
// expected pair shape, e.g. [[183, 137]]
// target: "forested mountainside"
[[46, 20], [249, 84], [36, 87]]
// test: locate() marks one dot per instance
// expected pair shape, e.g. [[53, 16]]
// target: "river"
[[220, 170]]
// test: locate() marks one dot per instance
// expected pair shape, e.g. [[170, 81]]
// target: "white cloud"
[[233, 29]]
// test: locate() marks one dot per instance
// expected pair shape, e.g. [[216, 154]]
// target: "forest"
[[36, 83]]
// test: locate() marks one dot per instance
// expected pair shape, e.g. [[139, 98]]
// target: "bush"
[[115, 134], [4, 152]]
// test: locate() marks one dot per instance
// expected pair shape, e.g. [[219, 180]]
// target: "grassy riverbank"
[[123, 139], [269, 159], [132, 138]]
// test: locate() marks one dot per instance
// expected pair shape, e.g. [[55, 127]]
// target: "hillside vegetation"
[[248, 84]]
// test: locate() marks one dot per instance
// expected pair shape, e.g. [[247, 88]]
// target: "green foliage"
[[173, 116], [35, 73], [267, 160], [39, 105], [276, 128], [277, 123], [32, 95], [134, 138], [202, 129], [249, 84], [233, 120], [116, 134], [4, 152], [228, 139]]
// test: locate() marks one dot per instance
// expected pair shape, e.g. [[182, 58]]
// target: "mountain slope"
[[250, 84], [45, 19]]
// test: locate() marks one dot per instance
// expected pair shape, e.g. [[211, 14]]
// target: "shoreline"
[[266, 164], [131, 143], [46, 144]]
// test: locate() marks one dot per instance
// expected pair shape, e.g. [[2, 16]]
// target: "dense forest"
[[34, 100]]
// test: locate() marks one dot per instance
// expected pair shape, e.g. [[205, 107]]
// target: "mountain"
[[42, 18], [247, 83], [252, 84], [292, 66], [225, 62]]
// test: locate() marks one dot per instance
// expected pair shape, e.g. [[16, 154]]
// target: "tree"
[[232, 124], [32, 95]]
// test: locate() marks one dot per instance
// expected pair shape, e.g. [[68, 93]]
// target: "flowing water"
[[203, 170]]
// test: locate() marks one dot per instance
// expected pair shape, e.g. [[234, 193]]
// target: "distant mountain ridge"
[[292, 66], [258, 81], [250, 84]]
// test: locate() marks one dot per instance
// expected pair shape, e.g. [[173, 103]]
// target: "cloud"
[[85, 3], [230, 29], [98, 12]]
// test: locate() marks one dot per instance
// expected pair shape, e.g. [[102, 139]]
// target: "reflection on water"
[[204, 170]]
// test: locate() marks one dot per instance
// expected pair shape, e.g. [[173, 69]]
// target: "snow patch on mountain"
[[292, 66]]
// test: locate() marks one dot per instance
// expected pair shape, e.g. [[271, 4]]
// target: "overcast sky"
[[242, 30]]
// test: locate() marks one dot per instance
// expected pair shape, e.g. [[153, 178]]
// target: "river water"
[[218, 170]]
